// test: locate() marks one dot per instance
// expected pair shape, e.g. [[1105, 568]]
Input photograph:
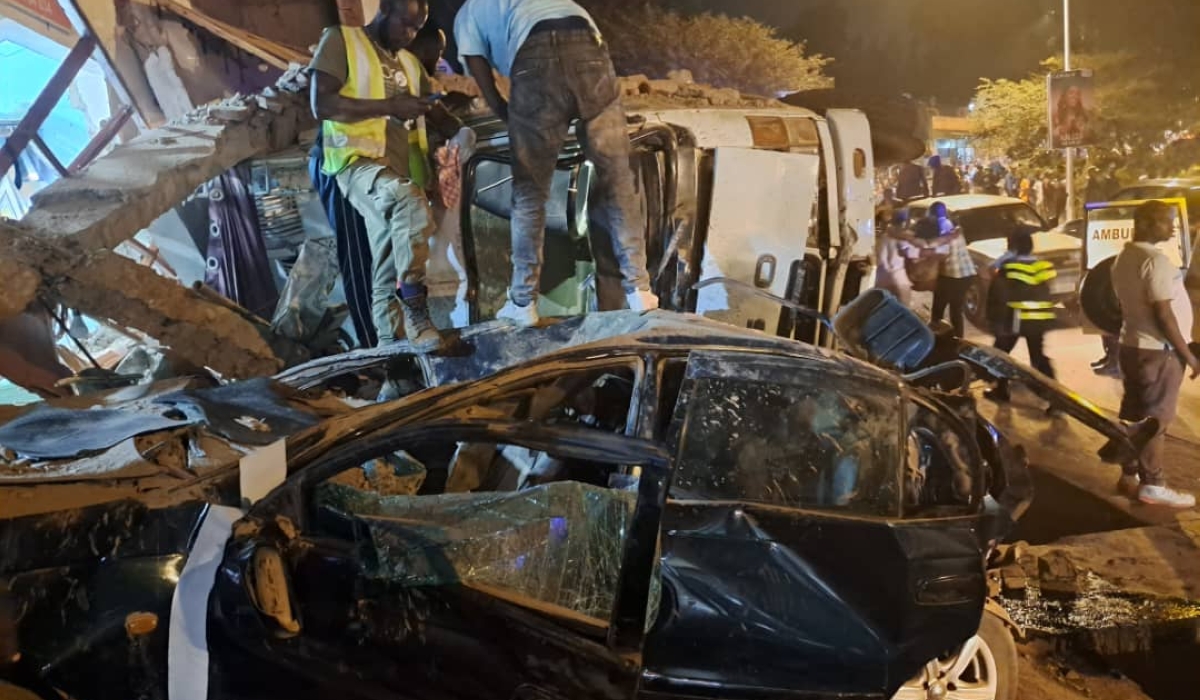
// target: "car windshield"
[[996, 222]]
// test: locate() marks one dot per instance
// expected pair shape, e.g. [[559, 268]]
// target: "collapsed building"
[[182, 237]]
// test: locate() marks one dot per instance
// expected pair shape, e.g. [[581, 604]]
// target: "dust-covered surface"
[[1048, 675]]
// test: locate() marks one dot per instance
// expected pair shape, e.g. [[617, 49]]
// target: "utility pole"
[[1067, 67]]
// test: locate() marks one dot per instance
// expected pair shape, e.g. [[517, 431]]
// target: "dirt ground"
[[1047, 675]]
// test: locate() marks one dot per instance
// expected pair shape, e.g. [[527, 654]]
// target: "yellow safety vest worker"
[[1028, 293], [346, 142]]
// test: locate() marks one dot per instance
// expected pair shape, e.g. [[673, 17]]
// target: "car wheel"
[[975, 305], [984, 668]]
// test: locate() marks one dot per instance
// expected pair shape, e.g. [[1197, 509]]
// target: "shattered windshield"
[[833, 446]]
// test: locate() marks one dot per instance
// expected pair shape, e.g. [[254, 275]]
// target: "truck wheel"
[[975, 305], [984, 668]]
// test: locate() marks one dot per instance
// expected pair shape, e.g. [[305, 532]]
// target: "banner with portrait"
[[1072, 108]]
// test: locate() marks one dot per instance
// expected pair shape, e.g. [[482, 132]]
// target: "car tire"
[[975, 305], [991, 671]]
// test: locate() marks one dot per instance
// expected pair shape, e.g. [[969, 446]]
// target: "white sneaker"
[[1128, 485], [524, 316], [1163, 496], [642, 300]]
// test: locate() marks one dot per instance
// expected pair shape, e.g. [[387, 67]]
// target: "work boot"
[[418, 328], [1163, 496], [642, 300], [524, 316], [1128, 485]]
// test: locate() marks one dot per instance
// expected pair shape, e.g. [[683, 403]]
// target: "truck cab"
[[736, 201]]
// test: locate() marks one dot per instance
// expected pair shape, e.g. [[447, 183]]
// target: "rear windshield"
[[995, 222]]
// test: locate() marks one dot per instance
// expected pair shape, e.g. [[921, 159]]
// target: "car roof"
[[963, 202]]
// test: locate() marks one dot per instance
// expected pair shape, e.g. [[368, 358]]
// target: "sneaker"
[[1163, 496], [418, 327], [642, 300], [1102, 362], [1109, 370], [524, 316], [1128, 485]]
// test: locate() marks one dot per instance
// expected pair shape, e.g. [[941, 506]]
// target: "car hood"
[[1044, 242]]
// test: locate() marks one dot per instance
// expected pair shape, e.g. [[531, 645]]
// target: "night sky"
[[941, 48]]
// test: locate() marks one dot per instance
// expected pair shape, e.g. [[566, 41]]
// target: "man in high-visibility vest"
[[1020, 305], [561, 71], [374, 100]]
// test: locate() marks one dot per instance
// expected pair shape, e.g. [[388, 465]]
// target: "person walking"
[[1157, 314], [1020, 306], [372, 97], [956, 273], [561, 71]]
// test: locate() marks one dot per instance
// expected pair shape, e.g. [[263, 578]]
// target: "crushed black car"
[[664, 507]]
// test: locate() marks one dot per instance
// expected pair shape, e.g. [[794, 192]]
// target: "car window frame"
[[625, 630], [676, 433], [965, 434]]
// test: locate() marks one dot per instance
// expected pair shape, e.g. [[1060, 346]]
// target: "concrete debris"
[[680, 90], [62, 248]]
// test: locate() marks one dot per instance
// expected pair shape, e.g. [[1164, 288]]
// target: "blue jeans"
[[559, 76]]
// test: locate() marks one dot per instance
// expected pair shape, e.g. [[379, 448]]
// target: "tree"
[[1139, 109], [719, 50]]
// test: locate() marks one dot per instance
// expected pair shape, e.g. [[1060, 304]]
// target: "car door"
[[355, 581], [789, 566]]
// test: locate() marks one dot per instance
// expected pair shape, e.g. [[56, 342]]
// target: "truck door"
[[762, 218], [851, 141]]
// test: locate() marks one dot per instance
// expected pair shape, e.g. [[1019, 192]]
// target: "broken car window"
[[833, 447], [939, 479], [594, 397], [529, 525]]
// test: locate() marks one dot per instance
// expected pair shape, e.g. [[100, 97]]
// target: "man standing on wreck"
[[374, 100], [561, 71]]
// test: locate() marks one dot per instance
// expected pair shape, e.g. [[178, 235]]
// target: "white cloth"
[[496, 29], [1143, 275]]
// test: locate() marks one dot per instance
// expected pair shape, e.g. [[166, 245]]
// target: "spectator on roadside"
[[956, 273], [1020, 306], [892, 249], [945, 178], [1154, 348], [911, 183]]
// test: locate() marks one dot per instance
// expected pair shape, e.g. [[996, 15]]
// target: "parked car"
[[986, 221], [687, 509]]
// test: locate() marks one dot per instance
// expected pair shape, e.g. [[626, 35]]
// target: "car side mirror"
[[271, 591]]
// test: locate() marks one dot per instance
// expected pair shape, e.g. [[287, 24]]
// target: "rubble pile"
[[681, 90], [64, 245]]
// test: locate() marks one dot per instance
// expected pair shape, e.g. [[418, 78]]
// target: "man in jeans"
[[1154, 349], [560, 71], [956, 274]]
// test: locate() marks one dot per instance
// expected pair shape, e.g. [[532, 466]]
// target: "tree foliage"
[[1139, 109], [646, 38]]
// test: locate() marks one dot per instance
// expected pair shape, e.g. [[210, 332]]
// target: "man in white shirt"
[[1154, 349], [561, 71]]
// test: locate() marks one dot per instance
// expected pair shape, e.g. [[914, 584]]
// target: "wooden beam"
[[27, 129], [102, 138], [84, 29], [49, 155], [270, 52]]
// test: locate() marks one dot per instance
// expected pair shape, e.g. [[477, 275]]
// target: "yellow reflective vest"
[[1022, 285], [346, 142]]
